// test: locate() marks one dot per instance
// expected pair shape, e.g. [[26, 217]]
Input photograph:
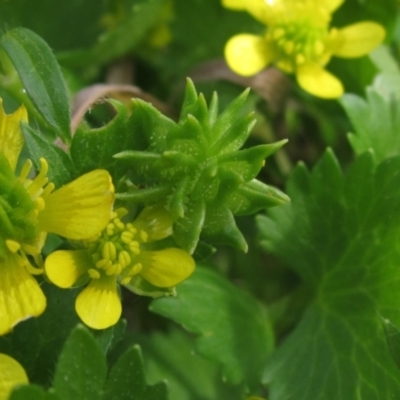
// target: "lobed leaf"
[[340, 235], [233, 328]]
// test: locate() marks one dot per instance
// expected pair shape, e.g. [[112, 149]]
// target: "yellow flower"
[[299, 41], [11, 375], [121, 254], [29, 209]]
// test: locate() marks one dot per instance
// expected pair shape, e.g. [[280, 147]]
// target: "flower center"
[[299, 34], [117, 250], [21, 200]]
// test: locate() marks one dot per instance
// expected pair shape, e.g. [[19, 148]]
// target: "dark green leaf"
[[81, 369], [107, 338], [127, 380], [233, 327], [47, 335], [340, 235], [32, 392], [60, 165], [41, 77]]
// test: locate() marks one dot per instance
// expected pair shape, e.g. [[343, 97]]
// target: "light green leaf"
[[233, 327], [340, 234], [81, 369], [376, 123], [41, 78]]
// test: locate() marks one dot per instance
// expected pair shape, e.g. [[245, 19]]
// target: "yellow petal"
[[98, 305], [11, 374], [234, 4], [155, 221], [257, 8], [332, 5], [20, 294], [167, 268], [248, 54], [11, 139], [65, 267], [319, 82], [80, 209], [358, 39]]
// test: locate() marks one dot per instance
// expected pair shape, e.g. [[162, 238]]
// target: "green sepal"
[[220, 228], [146, 196], [197, 158], [187, 230], [254, 196], [17, 220], [141, 287]]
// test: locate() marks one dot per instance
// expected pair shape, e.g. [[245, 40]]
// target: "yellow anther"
[[119, 224], [135, 269], [318, 47], [32, 270], [114, 269], [12, 245], [131, 228], [288, 47], [144, 236], [26, 169], [134, 247], [124, 258], [278, 33], [48, 189], [109, 251], [110, 229], [40, 204], [94, 274], [103, 263], [300, 59], [126, 280], [120, 212], [126, 237]]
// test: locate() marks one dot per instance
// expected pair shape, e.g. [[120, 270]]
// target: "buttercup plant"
[[119, 255], [299, 40], [186, 252], [31, 208]]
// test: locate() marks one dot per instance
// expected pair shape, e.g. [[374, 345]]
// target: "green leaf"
[[95, 148], [376, 123], [170, 356], [340, 234], [138, 18], [81, 369], [32, 392], [41, 78], [233, 327], [127, 379], [60, 165], [47, 335], [108, 338], [393, 338]]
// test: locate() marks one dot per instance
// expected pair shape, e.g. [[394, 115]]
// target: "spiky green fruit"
[[196, 169]]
